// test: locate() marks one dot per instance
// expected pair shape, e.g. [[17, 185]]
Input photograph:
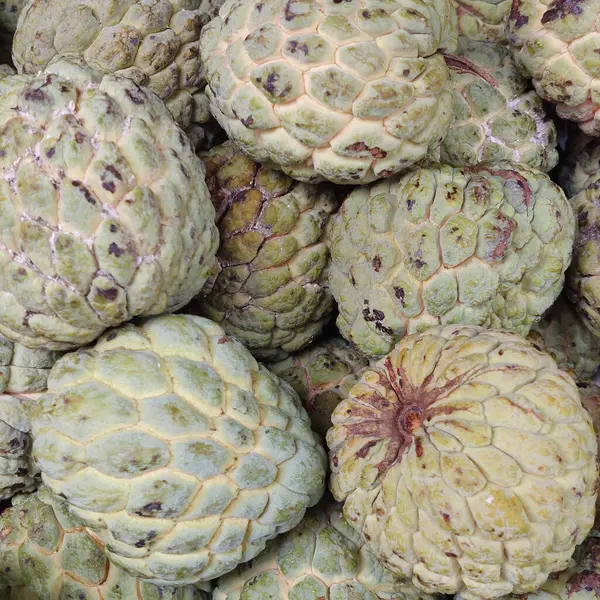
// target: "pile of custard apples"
[[299, 299]]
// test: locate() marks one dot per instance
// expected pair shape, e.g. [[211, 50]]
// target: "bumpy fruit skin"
[[467, 461], [183, 454], [556, 43], [562, 334], [105, 212], [9, 14], [580, 163], [323, 557], [485, 246], [497, 116], [483, 20], [345, 91], [270, 282], [46, 554], [154, 42], [18, 472], [322, 376], [589, 393]]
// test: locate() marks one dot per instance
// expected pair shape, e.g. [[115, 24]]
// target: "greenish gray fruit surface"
[[322, 558], [580, 163], [269, 286], [105, 214], [153, 42], [556, 43], [345, 91], [483, 20], [467, 461], [47, 555], [322, 376], [486, 246], [497, 116], [176, 448]]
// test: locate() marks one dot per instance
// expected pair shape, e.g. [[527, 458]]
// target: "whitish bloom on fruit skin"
[[556, 43], [497, 116], [179, 450], [345, 91], [104, 215], [485, 246], [580, 163], [270, 282], [323, 557], [322, 376], [483, 20], [45, 553], [569, 342], [467, 461]]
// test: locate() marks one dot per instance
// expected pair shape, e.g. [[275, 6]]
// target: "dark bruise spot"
[[35, 95], [399, 293], [380, 327], [419, 447], [460, 64], [248, 121], [134, 95], [115, 250], [586, 580], [79, 137], [516, 17], [86, 193], [386, 173], [375, 152], [409, 204], [51, 152], [109, 186], [294, 46], [561, 9], [140, 544], [376, 263], [111, 169], [450, 554], [223, 340], [113, 228], [111, 336], [406, 72], [446, 517], [109, 294], [150, 508], [379, 316], [352, 280]]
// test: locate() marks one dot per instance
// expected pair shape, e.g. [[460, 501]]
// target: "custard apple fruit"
[[484, 246], [345, 91], [322, 377], [269, 287], [47, 555], [556, 42], [323, 557], [467, 461], [176, 448], [156, 43], [562, 334], [589, 393], [580, 163], [483, 20], [9, 14], [497, 116], [105, 214]]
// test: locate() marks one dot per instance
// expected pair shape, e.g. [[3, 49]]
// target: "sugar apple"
[[105, 213], [18, 473], [47, 555], [562, 334], [154, 42], [9, 14], [346, 91], [589, 393], [183, 454], [321, 558], [497, 116], [485, 246], [483, 20], [580, 163], [467, 461], [270, 285], [556, 42], [322, 376]]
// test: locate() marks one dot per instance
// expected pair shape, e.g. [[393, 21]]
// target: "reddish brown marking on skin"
[[586, 580], [516, 177], [223, 340], [446, 517], [516, 18], [375, 152], [464, 65], [419, 447], [503, 227]]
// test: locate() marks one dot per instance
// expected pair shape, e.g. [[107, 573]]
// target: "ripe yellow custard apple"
[[156, 43], [467, 461], [497, 116], [571, 344], [346, 91], [105, 214], [321, 558], [322, 376], [176, 448], [580, 163], [556, 43], [47, 555], [485, 246], [269, 286], [483, 20]]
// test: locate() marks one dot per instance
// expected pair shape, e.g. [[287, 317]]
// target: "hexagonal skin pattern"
[[497, 116], [344, 91], [323, 557], [9, 14], [483, 20], [154, 42], [104, 215], [569, 342], [270, 281], [467, 461], [580, 163], [45, 553], [484, 246], [179, 450], [18, 473], [322, 376], [556, 43]]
